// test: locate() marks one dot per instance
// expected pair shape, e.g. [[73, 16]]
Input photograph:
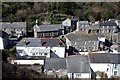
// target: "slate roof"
[[30, 42], [52, 42], [84, 22], [51, 27], [55, 63], [18, 24], [77, 36], [4, 24], [13, 24], [78, 64], [104, 58], [37, 42], [108, 23], [3, 34], [99, 58], [115, 58]]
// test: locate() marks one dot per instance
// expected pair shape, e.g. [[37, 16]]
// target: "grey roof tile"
[[108, 23], [99, 58], [37, 42], [81, 36], [115, 58], [78, 64], [51, 27], [55, 63], [13, 24]]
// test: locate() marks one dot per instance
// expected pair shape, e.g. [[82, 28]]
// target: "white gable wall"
[[66, 22], [29, 49], [1, 43], [103, 67], [59, 51]]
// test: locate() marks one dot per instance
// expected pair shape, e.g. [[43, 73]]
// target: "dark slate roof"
[[47, 27], [77, 36], [55, 63], [30, 42], [37, 42], [3, 34], [13, 24], [115, 58], [99, 58], [78, 64], [108, 23], [52, 42], [18, 24]]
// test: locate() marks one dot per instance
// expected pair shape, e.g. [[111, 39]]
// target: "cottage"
[[47, 31], [14, 29], [100, 62], [109, 29], [80, 42], [82, 25], [56, 67], [3, 40], [70, 24], [105, 63], [78, 67], [46, 47], [115, 61]]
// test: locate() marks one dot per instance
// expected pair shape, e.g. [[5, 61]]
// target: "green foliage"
[[106, 15], [29, 11], [5, 54]]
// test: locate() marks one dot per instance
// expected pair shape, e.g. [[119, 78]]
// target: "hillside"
[[57, 12]]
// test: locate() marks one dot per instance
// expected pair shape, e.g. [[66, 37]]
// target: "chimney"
[[35, 31], [24, 42], [36, 22]]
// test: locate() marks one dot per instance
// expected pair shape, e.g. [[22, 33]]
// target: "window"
[[81, 29], [109, 30], [54, 50], [33, 53], [116, 66], [45, 53], [36, 53], [107, 69], [115, 73], [78, 74]]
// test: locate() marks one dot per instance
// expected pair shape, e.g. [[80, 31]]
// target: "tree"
[[107, 14], [101, 74]]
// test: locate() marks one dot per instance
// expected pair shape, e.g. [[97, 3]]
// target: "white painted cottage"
[[107, 63], [78, 67], [47, 47]]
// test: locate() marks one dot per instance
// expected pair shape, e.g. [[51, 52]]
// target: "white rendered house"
[[48, 47]]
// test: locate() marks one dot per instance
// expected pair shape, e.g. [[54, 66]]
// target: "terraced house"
[[81, 42], [109, 29], [14, 28]]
